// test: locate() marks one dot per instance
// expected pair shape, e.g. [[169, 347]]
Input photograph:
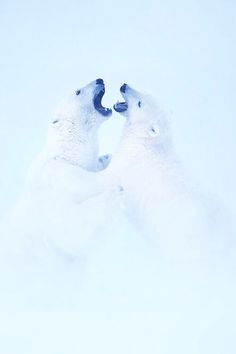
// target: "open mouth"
[[97, 101], [121, 107]]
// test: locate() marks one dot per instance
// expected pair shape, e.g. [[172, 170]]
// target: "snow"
[[85, 270], [125, 300]]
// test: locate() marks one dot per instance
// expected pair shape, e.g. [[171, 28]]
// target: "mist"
[[123, 293]]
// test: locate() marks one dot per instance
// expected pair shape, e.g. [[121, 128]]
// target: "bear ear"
[[154, 130]]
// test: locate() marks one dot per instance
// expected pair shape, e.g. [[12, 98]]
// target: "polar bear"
[[161, 200], [72, 138], [65, 211], [57, 211]]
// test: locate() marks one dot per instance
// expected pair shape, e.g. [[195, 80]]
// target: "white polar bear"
[[57, 210], [72, 139], [161, 200]]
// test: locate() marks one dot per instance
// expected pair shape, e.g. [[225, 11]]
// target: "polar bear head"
[[144, 119], [73, 130], [83, 107]]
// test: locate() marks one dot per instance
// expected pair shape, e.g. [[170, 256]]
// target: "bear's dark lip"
[[120, 107], [97, 101]]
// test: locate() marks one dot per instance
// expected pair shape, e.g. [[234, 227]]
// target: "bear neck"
[[137, 148], [76, 148]]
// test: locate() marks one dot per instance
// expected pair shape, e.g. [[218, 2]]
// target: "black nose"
[[123, 88], [99, 82]]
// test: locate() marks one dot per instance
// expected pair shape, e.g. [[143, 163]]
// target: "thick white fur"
[[160, 198], [52, 213]]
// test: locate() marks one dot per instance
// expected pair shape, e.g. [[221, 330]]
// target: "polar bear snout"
[[123, 88], [99, 82], [122, 107], [97, 99]]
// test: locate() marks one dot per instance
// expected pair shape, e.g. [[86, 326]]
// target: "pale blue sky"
[[182, 52]]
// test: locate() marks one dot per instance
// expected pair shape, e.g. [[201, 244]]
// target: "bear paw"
[[104, 161]]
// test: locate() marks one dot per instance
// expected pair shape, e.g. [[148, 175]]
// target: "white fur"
[[161, 199], [63, 176]]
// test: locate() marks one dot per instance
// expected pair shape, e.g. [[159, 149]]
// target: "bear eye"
[[77, 92], [139, 104], [55, 121], [154, 130]]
